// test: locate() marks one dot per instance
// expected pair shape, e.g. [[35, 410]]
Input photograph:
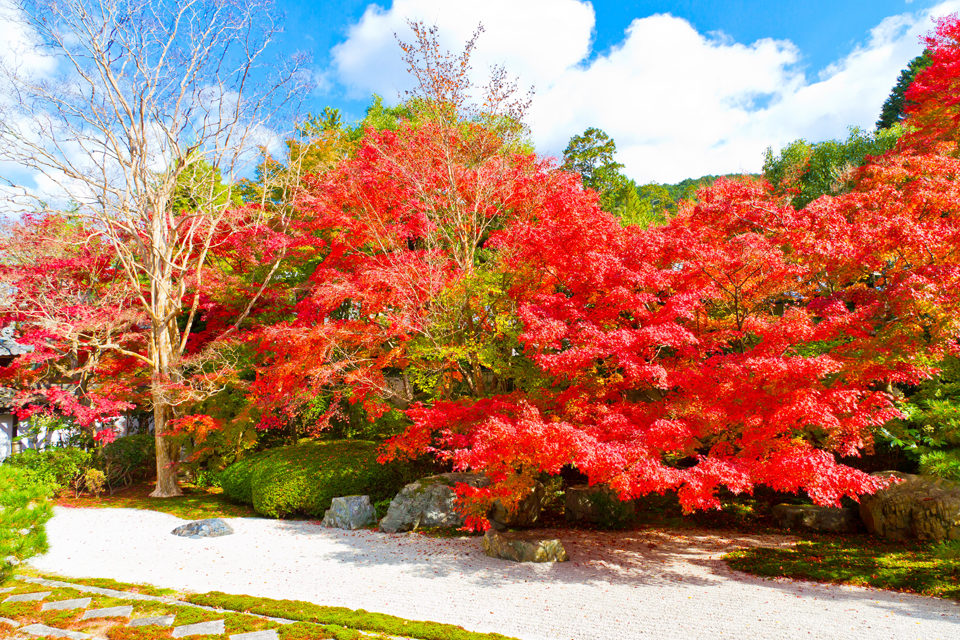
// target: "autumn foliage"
[[746, 343], [449, 271]]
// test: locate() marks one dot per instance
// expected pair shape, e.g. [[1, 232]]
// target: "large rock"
[[921, 507], [210, 528], [524, 515], [350, 512], [814, 518], [429, 502], [522, 548], [596, 504]]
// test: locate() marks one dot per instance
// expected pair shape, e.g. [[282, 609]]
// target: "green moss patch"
[[196, 503], [348, 619], [927, 569]]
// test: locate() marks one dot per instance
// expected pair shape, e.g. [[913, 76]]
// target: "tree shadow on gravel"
[[645, 556], [642, 556]]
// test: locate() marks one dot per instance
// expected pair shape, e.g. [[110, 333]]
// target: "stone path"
[[125, 611]]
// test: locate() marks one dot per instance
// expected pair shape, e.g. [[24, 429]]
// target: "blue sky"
[[685, 87]]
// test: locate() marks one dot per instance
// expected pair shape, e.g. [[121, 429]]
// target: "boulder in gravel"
[[920, 507], [523, 548], [210, 528], [811, 517], [350, 512], [429, 502], [524, 515], [597, 504]]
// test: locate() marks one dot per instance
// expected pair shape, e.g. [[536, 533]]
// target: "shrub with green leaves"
[[303, 478], [128, 459], [60, 468], [24, 511], [930, 432]]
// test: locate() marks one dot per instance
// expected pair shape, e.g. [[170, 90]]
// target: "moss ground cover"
[[341, 616], [195, 503], [927, 569], [240, 614]]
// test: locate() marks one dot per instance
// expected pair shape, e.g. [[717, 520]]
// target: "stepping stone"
[[27, 597], [161, 621], [213, 626], [109, 612], [6, 589], [61, 605], [52, 632], [9, 622], [269, 634]]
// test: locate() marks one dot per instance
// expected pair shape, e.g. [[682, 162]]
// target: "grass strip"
[[931, 569], [341, 616]]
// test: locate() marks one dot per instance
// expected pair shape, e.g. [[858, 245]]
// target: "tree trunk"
[[168, 454]]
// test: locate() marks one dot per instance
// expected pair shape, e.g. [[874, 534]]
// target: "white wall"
[[6, 430]]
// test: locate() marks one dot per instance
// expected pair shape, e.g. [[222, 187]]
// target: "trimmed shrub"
[[128, 458], [303, 478], [60, 468], [24, 511]]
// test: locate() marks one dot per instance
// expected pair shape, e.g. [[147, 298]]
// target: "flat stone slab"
[[52, 632], [6, 589], [58, 605], [27, 597], [209, 528], [110, 612], [213, 626], [9, 622], [160, 621], [268, 634]]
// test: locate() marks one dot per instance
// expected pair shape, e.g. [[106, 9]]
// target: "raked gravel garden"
[[644, 583]]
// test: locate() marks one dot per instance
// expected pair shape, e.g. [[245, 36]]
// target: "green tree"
[[810, 170], [592, 155], [893, 108], [930, 431]]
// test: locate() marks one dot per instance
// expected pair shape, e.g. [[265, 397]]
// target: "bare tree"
[[136, 99]]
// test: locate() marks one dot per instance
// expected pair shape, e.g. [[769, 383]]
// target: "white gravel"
[[645, 584]]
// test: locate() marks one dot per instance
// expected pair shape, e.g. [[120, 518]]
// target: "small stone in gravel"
[[213, 626], [209, 528], [53, 632], [162, 621], [109, 612], [27, 597], [269, 634], [74, 603]]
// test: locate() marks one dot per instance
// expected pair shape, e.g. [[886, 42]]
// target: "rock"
[[525, 515], [522, 548], [814, 518], [350, 512], [597, 504], [210, 528], [428, 502], [921, 507]]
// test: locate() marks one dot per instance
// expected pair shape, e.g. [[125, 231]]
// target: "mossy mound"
[[302, 479]]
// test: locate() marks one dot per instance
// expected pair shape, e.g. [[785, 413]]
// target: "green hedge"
[[59, 468], [24, 511], [302, 479]]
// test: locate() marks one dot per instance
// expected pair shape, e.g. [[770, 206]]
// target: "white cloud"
[[538, 40], [679, 103]]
